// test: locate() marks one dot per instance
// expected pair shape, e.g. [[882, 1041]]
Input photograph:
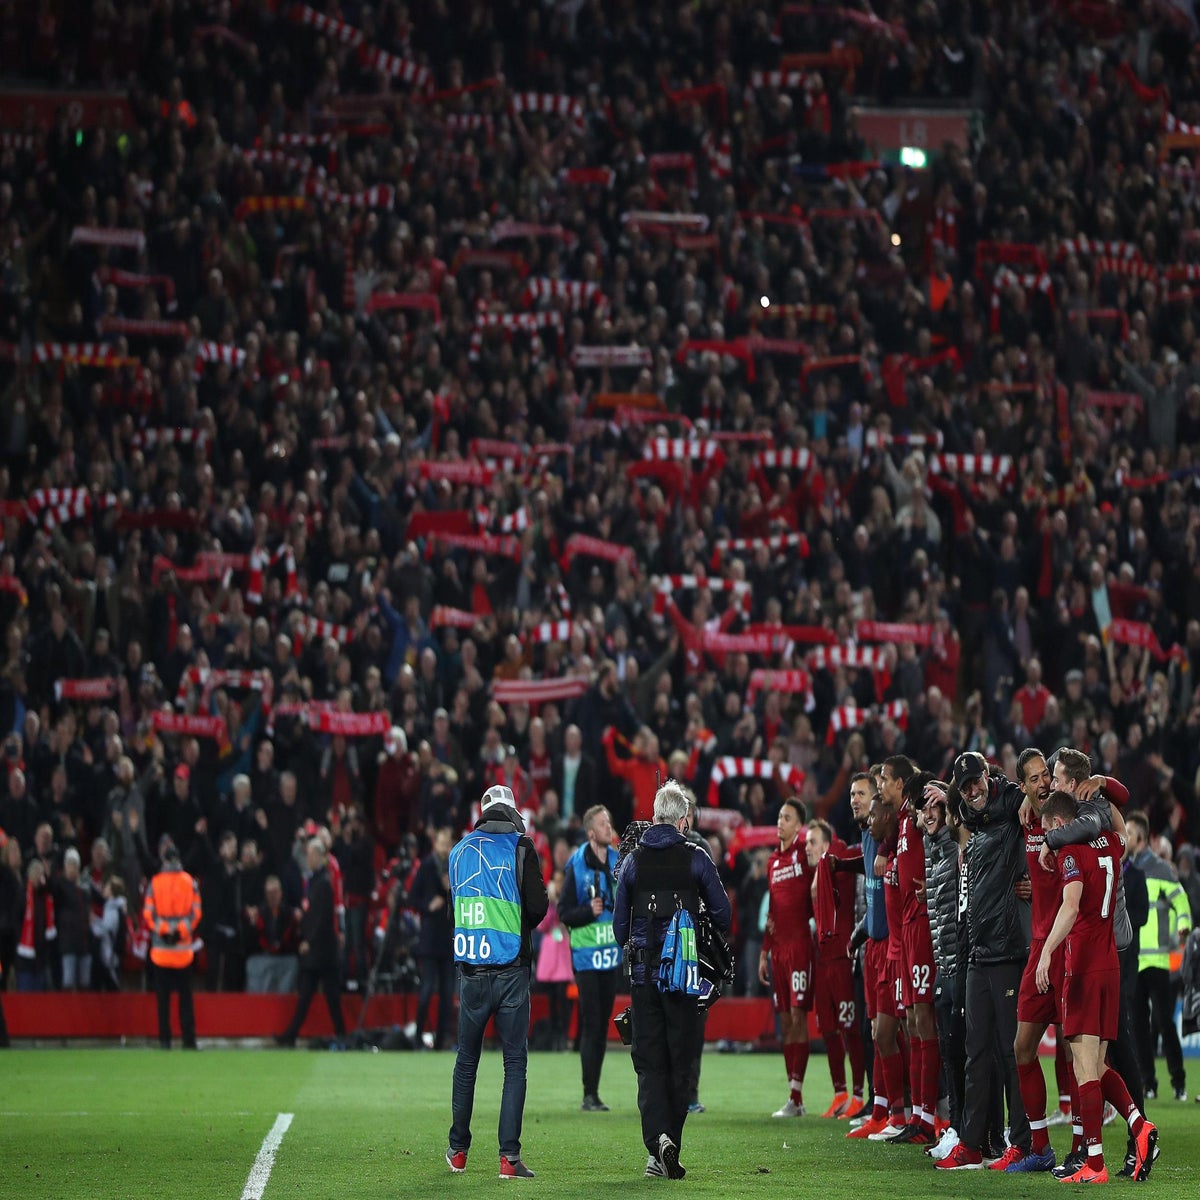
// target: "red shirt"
[[1091, 944], [1033, 704], [539, 772], [845, 889], [789, 878], [1047, 887], [910, 870]]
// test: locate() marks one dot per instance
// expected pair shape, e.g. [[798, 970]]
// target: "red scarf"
[[28, 948]]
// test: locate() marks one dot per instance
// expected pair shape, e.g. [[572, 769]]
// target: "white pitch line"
[[256, 1182], [222, 1112]]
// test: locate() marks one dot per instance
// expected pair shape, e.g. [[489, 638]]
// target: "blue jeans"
[[502, 992]]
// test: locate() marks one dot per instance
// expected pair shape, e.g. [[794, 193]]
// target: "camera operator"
[[667, 1026], [586, 909]]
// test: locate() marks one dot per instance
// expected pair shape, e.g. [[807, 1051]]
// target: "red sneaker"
[[1147, 1151], [1086, 1174], [961, 1159], [456, 1160], [514, 1168], [868, 1127], [1013, 1154]]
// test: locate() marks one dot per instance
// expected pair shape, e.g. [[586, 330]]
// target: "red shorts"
[[919, 971], [879, 982], [792, 976], [1041, 1008], [834, 1000], [1090, 1003]]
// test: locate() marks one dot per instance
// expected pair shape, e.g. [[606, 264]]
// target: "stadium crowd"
[[404, 400]]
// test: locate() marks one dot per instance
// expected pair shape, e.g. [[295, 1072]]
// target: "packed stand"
[[391, 412]]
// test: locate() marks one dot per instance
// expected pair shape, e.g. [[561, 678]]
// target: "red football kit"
[[788, 938], [1041, 1008], [834, 993], [1091, 970], [918, 970]]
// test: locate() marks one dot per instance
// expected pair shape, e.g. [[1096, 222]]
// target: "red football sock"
[[879, 1110], [893, 1082], [796, 1070], [1117, 1094], [789, 1060], [1033, 1096], [835, 1052], [854, 1050], [931, 1081], [1091, 1100]]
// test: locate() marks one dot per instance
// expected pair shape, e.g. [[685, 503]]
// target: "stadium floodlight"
[[765, 301], [914, 157]]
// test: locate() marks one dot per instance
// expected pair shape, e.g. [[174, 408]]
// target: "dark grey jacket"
[[998, 921], [941, 862]]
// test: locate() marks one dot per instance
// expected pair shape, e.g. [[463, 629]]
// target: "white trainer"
[[790, 1109], [886, 1134], [945, 1145]]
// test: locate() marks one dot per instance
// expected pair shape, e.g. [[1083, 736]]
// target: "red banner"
[[923, 128], [189, 725]]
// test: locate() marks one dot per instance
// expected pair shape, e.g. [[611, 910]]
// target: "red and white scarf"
[[797, 682], [85, 689], [731, 767], [537, 691], [892, 631], [33, 896]]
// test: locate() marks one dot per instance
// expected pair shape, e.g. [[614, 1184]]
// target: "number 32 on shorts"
[[920, 973]]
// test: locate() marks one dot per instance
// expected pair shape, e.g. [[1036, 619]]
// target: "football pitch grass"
[[140, 1123]]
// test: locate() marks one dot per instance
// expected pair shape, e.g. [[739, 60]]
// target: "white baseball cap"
[[497, 794]]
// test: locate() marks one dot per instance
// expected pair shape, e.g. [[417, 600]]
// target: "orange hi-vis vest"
[[172, 915]]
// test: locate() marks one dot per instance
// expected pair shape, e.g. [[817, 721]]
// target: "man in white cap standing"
[[499, 898]]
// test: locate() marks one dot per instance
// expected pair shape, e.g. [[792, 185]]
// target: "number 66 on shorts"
[[792, 977]]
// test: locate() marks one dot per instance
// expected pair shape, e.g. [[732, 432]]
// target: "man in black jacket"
[[989, 807], [667, 1026], [430, 896], [318, 948]]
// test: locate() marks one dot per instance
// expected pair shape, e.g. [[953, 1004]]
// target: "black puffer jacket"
[[941, 871], [999, 922]]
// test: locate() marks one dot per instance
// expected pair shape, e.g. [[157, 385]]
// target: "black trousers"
[[597, 991], [166, 981], [952, 1042], [1156, 1009], [328, 980], [1123, 1052], [864, 1022], [694, 1082], [667, 1040], [437, 975], [991, 1014]]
